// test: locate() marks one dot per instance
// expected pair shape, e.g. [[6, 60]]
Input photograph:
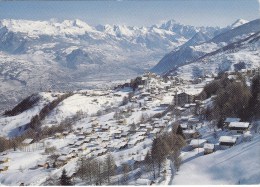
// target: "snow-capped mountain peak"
[[52, 27], [238, 23], [168, 24], [201, 44]]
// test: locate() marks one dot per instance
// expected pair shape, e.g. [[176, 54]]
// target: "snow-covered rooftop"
[[184, 125], [239, 124], [230, 139], [27, 141], [198, 141], [209, 146], [229, 120], [189, 131]]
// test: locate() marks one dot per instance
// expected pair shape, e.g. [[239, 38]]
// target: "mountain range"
[[237, 45], [69, 55]]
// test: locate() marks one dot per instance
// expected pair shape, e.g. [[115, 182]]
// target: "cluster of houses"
[[235, 130], [100, 139], [155, 85]]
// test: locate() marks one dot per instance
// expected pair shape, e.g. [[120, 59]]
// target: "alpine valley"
[[122, 105], [69, 55]]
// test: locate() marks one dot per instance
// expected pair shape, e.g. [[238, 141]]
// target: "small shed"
[[27, 141], [186, 106], [227, 141], [184, 126], [209, 148], [61, 161], [88, 131], [105, 127], [238, 127], [184, 118], [81, 137], [95, 123], [155, 131], [229, 120], [124, 134], [65, 133], [190, 133], [198, 143], [142, 125]]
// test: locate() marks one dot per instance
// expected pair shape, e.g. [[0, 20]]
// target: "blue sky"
[[146, 12]]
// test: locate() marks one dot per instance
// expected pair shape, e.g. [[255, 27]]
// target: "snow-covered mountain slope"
[[235, 56], [201, 44], [95, 123], [37, 28], [237, 165], [13, 125], [68, 55], [238, 23]]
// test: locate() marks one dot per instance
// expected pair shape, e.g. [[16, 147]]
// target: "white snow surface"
[[237, 165]]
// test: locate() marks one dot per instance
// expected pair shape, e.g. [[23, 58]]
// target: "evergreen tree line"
[[167, 145], [96, 171], [14, 143], [36, 120], [23, 105], [233, 98]]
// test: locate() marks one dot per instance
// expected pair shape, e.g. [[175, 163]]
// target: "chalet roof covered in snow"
[[184, 125], [27, 141], [193, 91], [186, 105], [184, 118], [229, 120], [229, 139], [209, 146], [62, 158], [189, 131], [194, 120], [239, 124], [198, 141]]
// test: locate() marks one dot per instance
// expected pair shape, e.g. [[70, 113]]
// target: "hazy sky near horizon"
[[138, 13]]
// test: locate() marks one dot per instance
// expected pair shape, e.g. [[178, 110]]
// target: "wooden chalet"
[[238, 127], [184, 126], [229, 120], [27, 142], [61, 161], [198, 143], [208, 148], [190, 133], [182, 98], [227, 141]]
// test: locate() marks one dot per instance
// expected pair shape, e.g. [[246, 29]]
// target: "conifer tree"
[[64, 179]]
